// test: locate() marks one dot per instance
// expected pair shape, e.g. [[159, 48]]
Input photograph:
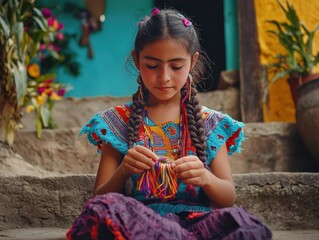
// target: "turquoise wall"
[[106, 74], [231, 34]]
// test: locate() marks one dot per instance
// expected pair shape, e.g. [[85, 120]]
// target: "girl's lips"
[[163, 88]]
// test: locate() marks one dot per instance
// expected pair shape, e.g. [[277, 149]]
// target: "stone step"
[[270, 147], [283, 201], [59, 234]]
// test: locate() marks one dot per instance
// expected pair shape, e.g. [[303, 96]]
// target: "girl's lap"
[[124, 216]]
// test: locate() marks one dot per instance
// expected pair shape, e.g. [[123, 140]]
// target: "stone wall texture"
[[281, 200]]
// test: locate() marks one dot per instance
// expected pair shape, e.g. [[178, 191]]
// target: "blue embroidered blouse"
[[112, 126]]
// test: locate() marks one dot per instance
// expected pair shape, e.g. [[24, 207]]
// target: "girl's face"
[[164, 66]]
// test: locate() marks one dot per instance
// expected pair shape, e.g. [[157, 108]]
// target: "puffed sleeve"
[[109, 126], [219, 129]]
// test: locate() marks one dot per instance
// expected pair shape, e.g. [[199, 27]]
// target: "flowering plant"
[[42, 92], [43, 89], [17, 47], [30, 40]]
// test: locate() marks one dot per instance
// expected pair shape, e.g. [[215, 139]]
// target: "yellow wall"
[[281, 107]]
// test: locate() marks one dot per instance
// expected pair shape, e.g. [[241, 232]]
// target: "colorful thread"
[[158, 182]]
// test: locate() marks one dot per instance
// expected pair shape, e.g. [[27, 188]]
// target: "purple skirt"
[[115, 216]]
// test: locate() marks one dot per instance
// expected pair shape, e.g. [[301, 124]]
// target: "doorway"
[[209, 18]]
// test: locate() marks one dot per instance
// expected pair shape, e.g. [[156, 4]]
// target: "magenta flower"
[[46, 12], [51, 80], [61, 92], [60, 26], [42, 47], [40, 90], [51, 47], [51, 21], [60, 36], [57, 48]]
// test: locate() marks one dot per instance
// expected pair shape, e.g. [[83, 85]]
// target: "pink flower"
[[61, 92], [57, 48], [40, 90], [60, 26], [42, 47], [46, 13], [60, 36], [51, 47], [51, 80], [53, 22]]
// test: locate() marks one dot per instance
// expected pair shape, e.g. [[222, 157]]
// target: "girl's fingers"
[[193, 173], [146, 152], [143, 165], [140, 155], [187, 164], [138, 159]]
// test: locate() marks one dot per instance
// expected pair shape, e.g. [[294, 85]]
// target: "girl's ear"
[[194, 60], [133, 53]]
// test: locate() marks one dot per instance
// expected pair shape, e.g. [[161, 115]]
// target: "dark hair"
[[167, 24]]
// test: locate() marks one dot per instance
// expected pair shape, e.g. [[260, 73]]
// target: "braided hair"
[[162, 25]]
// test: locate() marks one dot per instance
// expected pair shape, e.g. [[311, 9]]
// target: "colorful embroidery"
[[112, 126]]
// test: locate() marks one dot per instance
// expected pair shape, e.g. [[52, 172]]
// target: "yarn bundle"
[[158, 182]]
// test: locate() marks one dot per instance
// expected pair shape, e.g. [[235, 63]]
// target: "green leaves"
[[17, 47], [297, 40], [20, 79], [5, 28]]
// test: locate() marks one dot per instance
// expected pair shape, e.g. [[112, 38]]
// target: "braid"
[[195, 123], [135, 120]]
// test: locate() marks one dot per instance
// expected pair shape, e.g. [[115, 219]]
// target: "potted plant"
[[298, 64], [299, 60]]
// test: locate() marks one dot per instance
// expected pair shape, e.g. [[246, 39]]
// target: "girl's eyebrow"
[[159, 60]]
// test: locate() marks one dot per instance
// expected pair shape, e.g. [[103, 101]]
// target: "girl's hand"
[[137, 160], [191, 170]]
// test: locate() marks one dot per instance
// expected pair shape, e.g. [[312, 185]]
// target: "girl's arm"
[[217, 184], [114, 169], [109, 178]]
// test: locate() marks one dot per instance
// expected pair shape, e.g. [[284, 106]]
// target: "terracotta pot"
[[295, 82], [307, 115]]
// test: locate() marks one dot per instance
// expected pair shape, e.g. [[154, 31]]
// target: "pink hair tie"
[[186, 22], [155, 12]]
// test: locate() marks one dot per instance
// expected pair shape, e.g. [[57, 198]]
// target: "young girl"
[[164, 172]]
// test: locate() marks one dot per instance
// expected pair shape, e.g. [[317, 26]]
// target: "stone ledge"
[[75, 112], [282, 200]]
